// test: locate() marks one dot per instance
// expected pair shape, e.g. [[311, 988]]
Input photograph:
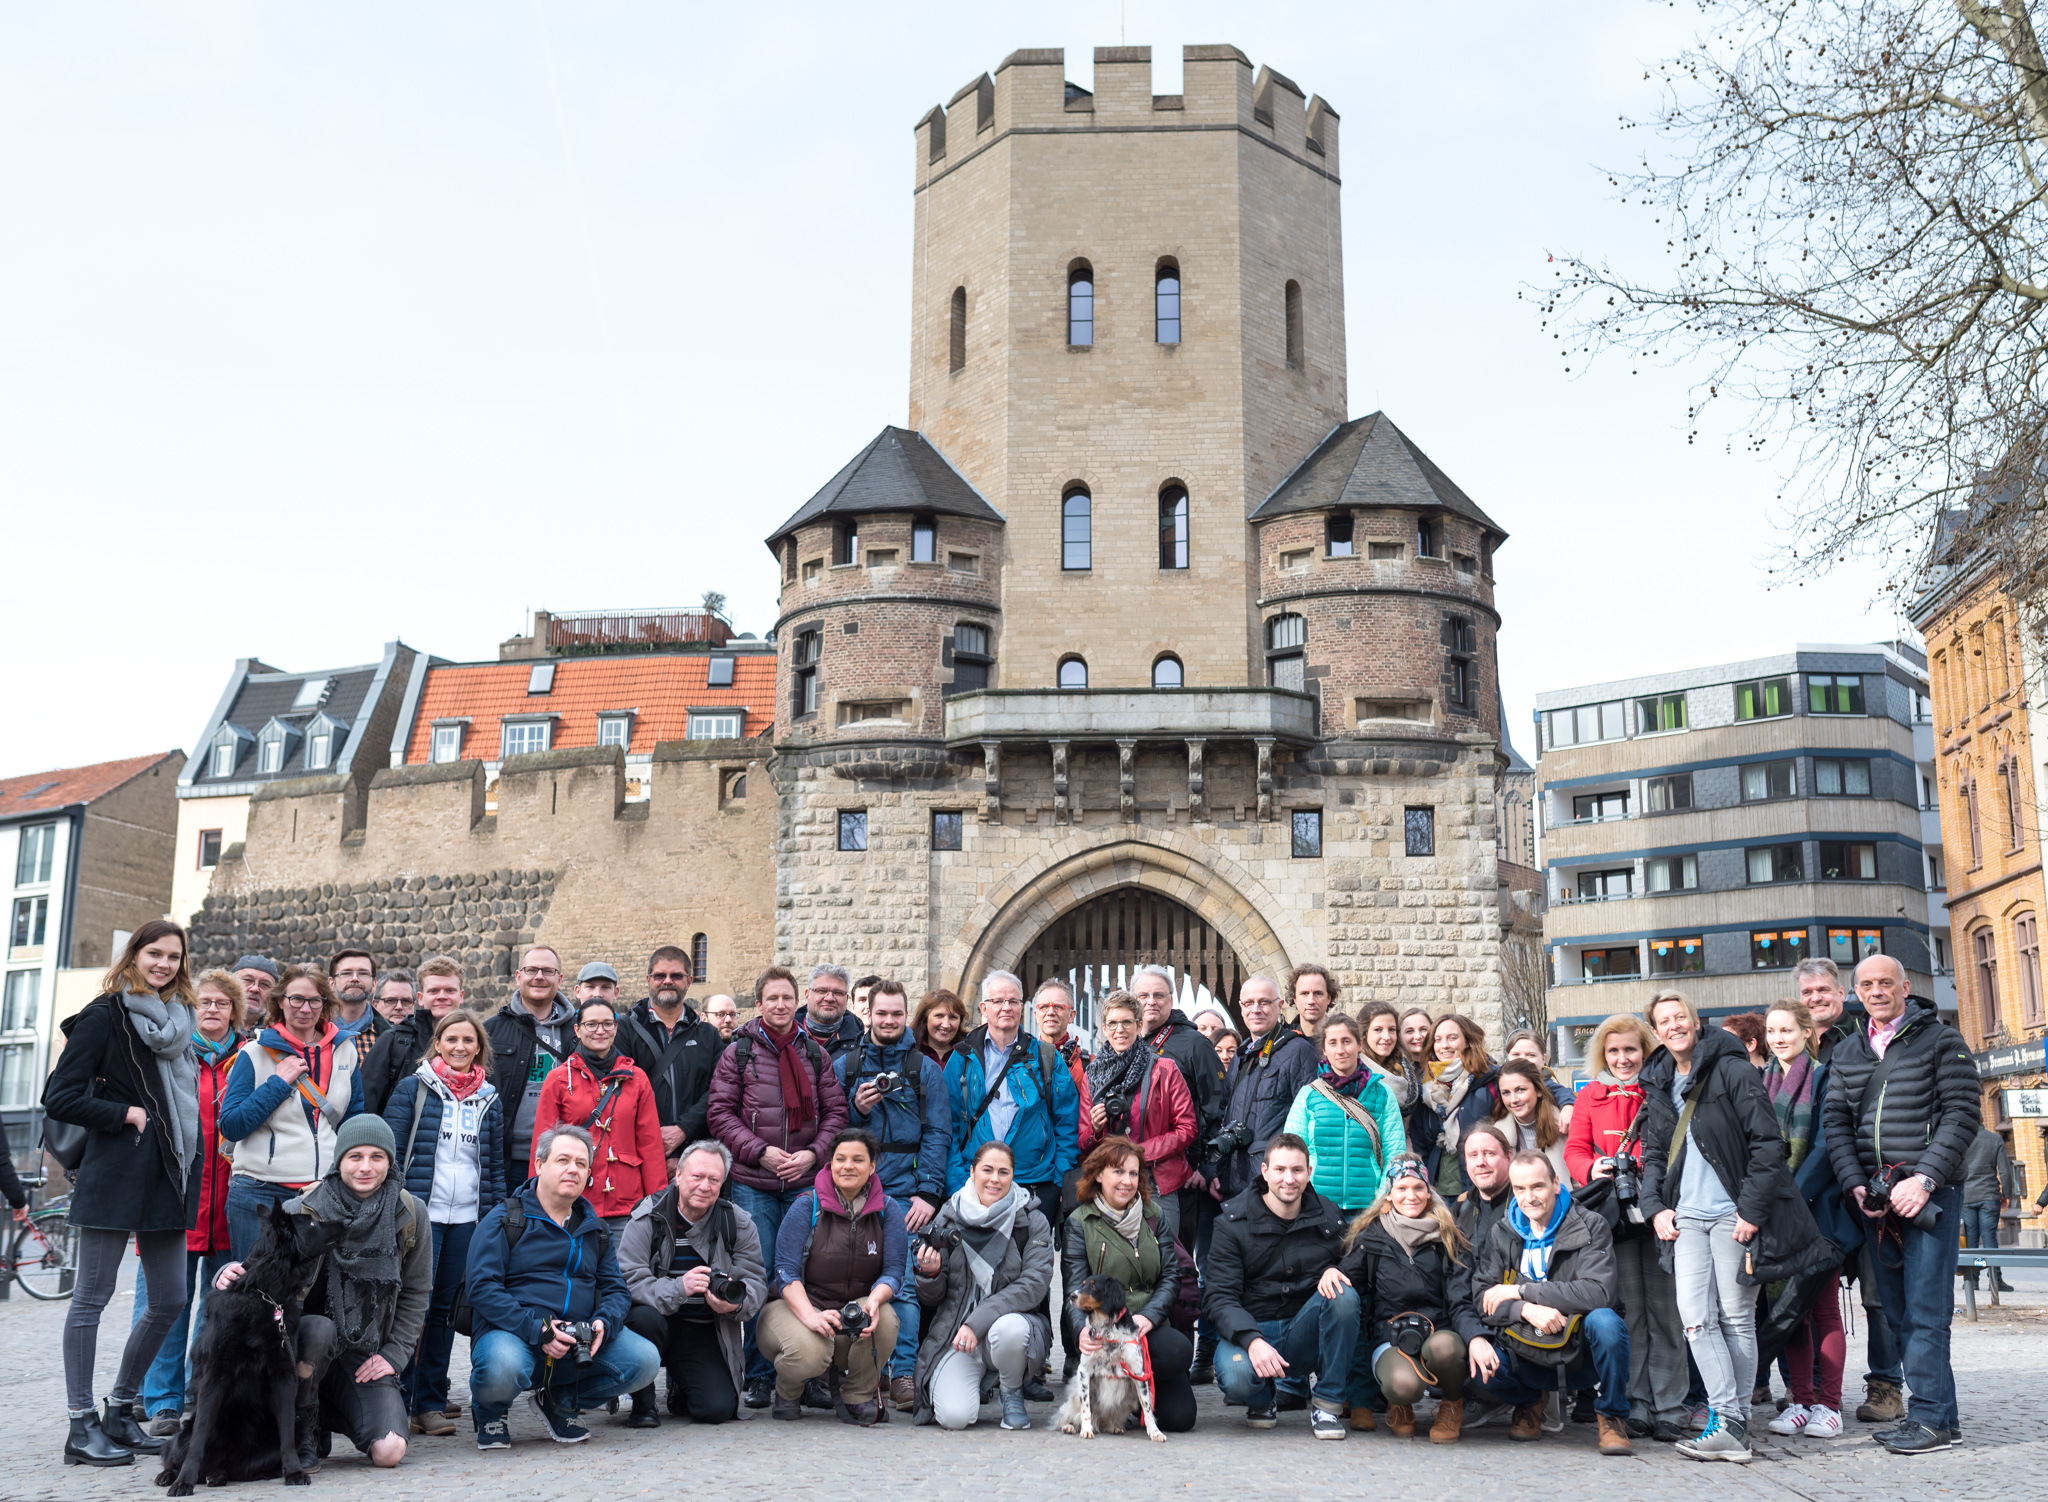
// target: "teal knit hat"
[[365, 1130]]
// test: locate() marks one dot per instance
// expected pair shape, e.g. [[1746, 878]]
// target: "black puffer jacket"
[[1927, 1113], [1195, 1057], [1262, 1090], [1261, 1267], [678, 1065], [1390, 1282]]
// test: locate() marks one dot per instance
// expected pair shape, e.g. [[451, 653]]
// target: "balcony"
[[1131, 714]]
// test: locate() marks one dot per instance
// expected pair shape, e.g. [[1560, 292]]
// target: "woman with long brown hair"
[[1461, 1091], [127, 1075], [1528, 1114]]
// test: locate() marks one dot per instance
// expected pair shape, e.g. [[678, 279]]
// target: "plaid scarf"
[[1791, 1092]]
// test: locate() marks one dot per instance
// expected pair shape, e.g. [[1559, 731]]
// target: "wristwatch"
[[1926, 1183]]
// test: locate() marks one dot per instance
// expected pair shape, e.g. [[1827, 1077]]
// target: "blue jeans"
[[1321, 1338], [766, 1210], [249, 1202], [903, 1362], [502, 1366], [163, 1385], [1520, 1382], [425, 1379], [1980, 1229], [1916, 1280]]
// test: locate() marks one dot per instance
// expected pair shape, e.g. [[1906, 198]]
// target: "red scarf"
[[462, 1084], [799, 1091]]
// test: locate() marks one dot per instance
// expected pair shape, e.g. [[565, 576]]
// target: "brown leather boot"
[[1614, 1437], [1401, 1420], [1527, 1424], [1361, 1419], [1450, 1422]]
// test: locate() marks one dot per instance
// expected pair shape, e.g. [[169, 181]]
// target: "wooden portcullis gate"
[[1095, 947]]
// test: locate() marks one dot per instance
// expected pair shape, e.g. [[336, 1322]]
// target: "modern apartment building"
[[1707, 829]]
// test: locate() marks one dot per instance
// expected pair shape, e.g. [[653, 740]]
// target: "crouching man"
[[541, 1267], [1545, 1278]]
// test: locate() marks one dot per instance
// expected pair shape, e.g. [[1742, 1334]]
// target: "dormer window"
[[227, 750], [323, 741], [615, 730], [447, 743], [274, 747]]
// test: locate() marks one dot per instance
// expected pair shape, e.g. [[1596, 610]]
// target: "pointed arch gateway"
[[1096, 946]]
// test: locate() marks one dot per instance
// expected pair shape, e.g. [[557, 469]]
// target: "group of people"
[[853, 1204]]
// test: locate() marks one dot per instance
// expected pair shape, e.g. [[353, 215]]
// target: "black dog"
[[245, 1372]]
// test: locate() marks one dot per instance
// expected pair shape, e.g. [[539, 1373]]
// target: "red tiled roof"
[[40, 792], [661, 689]]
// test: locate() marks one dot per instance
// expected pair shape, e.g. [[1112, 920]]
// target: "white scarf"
[[986, 1227]]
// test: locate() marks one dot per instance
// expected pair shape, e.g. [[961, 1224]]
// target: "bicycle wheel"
[[46, 1258]]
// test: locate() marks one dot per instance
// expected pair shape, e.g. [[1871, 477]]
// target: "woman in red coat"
[[1133, 1092], [601, 1090]]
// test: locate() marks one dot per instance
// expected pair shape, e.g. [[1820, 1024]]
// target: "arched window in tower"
[[1073, 673], [700, 959], [1286, 644], [1080, 304], [1166, 672], [957, 327], [1166, 303], [1076, 529], [1294, 343], [1173, 526]]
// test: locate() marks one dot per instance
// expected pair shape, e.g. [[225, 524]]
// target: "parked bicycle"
[[42, 1255]]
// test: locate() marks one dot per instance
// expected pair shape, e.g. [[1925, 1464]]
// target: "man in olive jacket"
[[1904, 1097]]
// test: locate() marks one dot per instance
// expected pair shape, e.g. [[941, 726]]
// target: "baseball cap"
[[597, 970]]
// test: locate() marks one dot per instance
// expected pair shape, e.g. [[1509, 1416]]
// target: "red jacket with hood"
[[630, 1165]]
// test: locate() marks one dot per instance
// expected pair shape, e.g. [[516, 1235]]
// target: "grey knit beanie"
[[365, 1130]]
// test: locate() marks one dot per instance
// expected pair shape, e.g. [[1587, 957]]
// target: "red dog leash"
[[1144, 1371]]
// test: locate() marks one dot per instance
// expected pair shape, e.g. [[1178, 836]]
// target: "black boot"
[[88, 1444], [643, 1415], [117, 1420], [1204, 1369], [306, 1427]]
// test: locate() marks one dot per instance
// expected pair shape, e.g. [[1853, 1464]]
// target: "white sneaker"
[[1822, 1423], [1792, 1420]]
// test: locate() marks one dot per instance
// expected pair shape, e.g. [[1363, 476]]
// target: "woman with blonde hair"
[[128, 1077], [1406, 1258], [1608, 1108]]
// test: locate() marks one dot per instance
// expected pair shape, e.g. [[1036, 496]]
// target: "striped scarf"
[[1791, 1092]]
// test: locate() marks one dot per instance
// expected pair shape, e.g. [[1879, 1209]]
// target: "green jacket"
[[1342, 1164]]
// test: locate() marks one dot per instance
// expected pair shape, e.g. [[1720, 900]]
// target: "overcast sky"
[[321, 325]]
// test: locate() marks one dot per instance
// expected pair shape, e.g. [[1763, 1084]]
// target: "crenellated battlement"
[[1029, 91]]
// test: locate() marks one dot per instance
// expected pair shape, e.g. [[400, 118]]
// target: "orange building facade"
[[1991, 832]]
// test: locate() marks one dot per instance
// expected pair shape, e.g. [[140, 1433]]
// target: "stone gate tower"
[[1130, 645]]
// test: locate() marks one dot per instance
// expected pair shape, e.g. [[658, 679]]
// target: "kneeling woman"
[[1406, 1259], [367, 1300], [979, 1297], [1116, 1232]]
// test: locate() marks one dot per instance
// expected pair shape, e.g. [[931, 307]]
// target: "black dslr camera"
[[582, 1334], [889, 1082], [1231, 1137], [726, 1287], [1118, 1105], [853, 1318], [940, 1238], [1878, 1193], [1628, 1188], [1408, 1331]]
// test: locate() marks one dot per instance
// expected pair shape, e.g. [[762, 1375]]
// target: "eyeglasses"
[[604, 1025], [302, 1001], [829, 991], [537, 972], [668, 975], [1119, 1024]]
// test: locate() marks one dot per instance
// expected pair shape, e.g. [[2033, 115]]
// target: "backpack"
[[462, 1316]]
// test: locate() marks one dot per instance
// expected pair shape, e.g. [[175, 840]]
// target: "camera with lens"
[[1628, 1188], [1407, 1332], [889, 1082], [1231, 1137], [725, 1287], [582, 1334], [939, 1238], [853, 1317], [1118, 1106], [1877, 1194]]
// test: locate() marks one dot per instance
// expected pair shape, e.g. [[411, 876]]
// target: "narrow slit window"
[[1080, 306], [1294, 332], [956, 326], [1166, 303], [1173, 527]]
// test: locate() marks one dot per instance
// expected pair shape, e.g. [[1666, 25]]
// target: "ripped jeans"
[[1718, 1312]]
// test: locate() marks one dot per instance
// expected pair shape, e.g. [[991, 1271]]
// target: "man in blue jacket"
[[538, 1264], [914, 1124], [1004, 1085]]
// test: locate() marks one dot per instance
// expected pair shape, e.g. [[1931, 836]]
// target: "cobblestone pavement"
[[2001, 1366]]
